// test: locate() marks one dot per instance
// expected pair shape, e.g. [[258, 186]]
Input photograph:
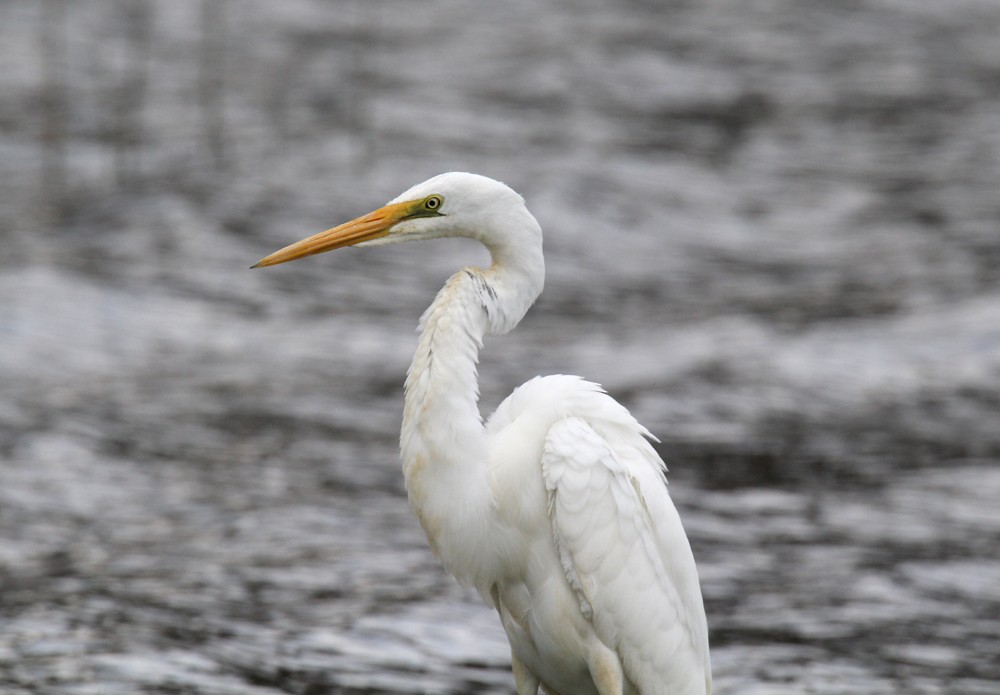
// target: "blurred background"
[[772, 232]]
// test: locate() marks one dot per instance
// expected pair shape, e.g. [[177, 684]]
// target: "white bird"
[[556, 509]]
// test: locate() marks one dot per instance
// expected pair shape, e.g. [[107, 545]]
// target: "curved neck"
[[444, 444], [441, 418], [441, 413]]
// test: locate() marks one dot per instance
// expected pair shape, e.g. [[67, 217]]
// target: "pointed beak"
[[374, 225]]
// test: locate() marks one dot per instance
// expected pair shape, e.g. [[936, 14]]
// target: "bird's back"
[[565, 450]]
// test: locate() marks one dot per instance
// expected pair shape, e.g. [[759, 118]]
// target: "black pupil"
[[432, 202]]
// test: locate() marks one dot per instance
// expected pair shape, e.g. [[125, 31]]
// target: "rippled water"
[[771, 231]]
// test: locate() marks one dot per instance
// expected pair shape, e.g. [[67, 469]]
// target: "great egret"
[[556, 509]]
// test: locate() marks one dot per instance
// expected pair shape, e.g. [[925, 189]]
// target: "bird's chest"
[[452, 502]]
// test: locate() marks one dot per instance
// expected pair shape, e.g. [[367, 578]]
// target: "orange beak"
[[374, 225]]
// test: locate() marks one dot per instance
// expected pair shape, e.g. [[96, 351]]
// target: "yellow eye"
[[433, 202]]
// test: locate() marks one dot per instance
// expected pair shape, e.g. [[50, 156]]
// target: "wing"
[[625, 553]]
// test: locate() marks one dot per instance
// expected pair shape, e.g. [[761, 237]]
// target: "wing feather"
[[625, 553]]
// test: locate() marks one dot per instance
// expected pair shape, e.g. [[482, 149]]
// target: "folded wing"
[[625, 553]]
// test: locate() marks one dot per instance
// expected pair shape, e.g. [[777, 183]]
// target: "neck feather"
[[442, 390], [443, 442]]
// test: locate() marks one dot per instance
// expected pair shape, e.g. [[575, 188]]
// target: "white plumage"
[[556, 509]]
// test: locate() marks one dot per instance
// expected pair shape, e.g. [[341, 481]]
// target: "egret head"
[[448, 205]]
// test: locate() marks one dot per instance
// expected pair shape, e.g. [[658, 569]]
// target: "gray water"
[[772, 231]]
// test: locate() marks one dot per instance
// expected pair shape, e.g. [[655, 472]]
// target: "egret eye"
[[433, 202]]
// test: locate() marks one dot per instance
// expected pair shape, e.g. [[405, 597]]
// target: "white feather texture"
[[557, 509]]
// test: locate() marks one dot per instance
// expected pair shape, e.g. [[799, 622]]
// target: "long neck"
[[441, 414], [441, 420], [443, 442]]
